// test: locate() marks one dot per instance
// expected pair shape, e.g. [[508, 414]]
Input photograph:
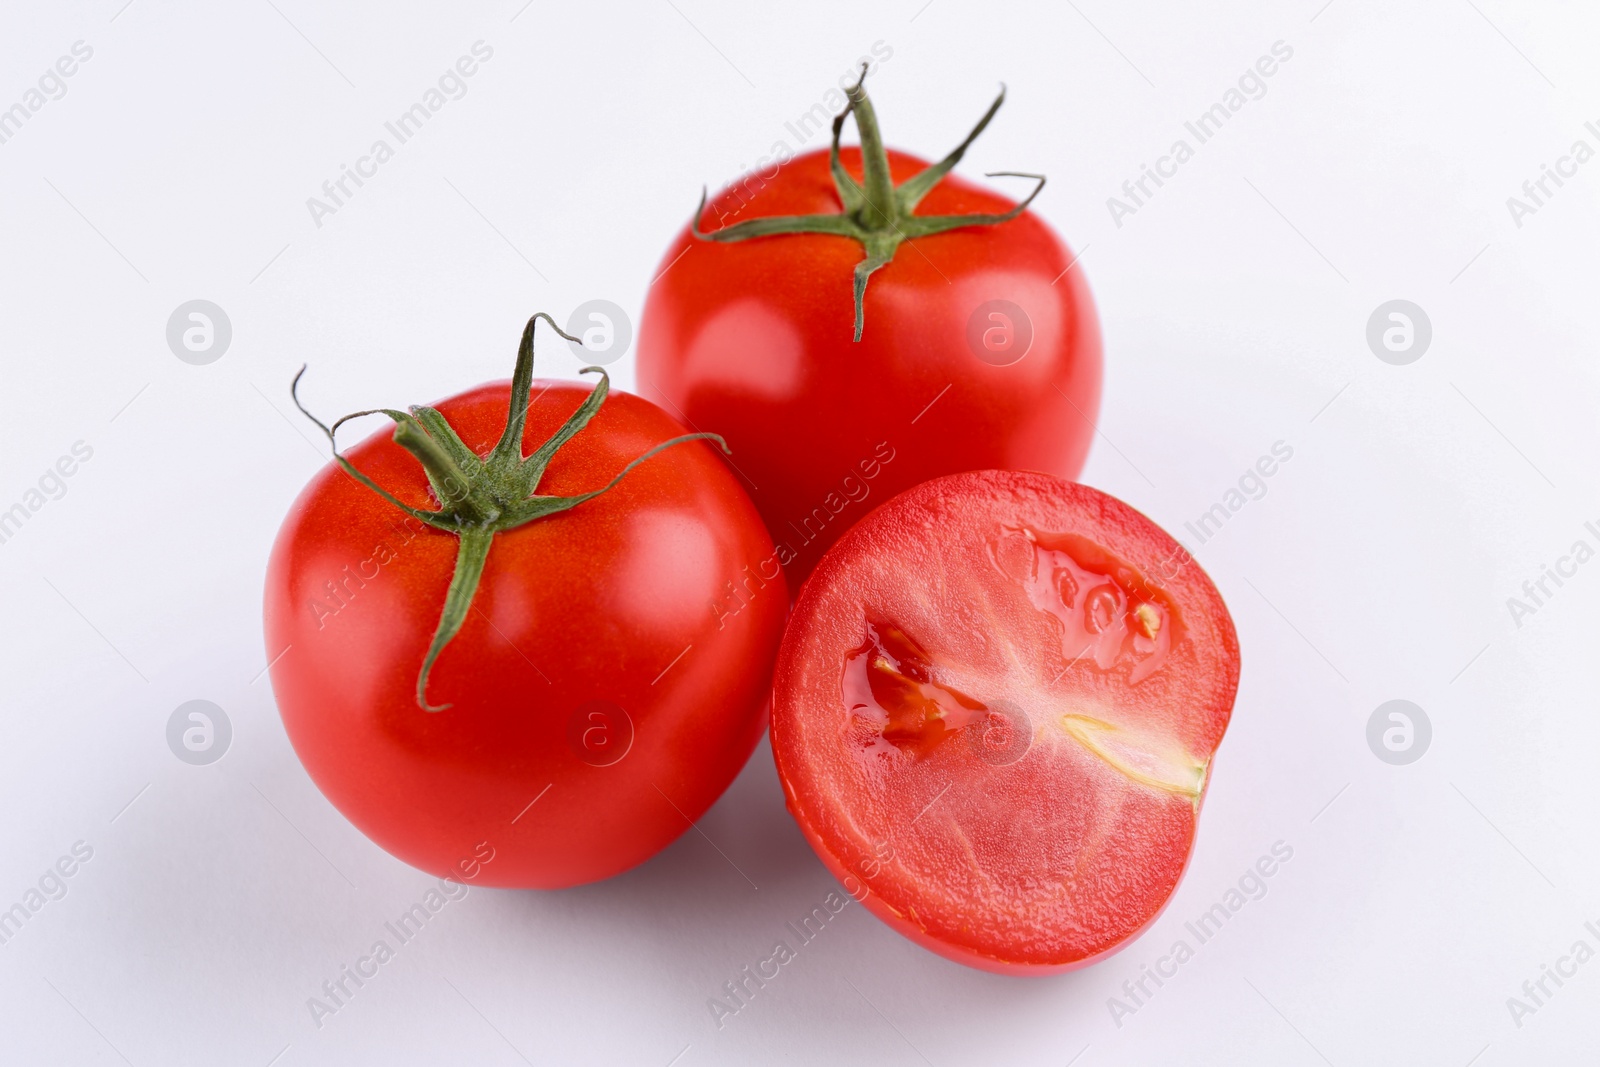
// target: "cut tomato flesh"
[[995, 712]]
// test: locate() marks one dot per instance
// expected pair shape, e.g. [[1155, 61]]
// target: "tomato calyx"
[[877, 213], [481, 496]]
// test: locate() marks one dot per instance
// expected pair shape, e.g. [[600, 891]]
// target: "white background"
[[1234, 304]]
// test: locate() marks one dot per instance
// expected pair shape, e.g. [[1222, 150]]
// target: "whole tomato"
[[600, 680], [856, 322]]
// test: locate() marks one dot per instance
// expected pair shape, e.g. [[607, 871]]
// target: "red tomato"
[[606, 687], [753, 341], [994, 715]]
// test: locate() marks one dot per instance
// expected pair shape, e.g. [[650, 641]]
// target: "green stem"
[[451, 481], [875, 212], [471, 556], [480, 498], [435, 519], [880, 250], [508, 452], [878, 210]]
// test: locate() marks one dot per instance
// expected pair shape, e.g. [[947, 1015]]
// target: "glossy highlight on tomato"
[[994, 717], [602, 692]]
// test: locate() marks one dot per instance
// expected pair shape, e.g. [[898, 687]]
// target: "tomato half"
[[994, 715], [980, 348], [608, 682]]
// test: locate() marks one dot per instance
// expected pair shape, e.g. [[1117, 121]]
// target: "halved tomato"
[[995, 710]]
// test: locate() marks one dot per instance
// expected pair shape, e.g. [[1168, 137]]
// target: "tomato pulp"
[[604, 689], [980, 349], [994, 715]]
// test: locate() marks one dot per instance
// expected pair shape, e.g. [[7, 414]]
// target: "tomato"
[[978, 348], [608, 679], [994, 715]]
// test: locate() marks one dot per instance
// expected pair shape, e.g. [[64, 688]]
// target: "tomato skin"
[[1054, 860], [752, 340], [624, 598]]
